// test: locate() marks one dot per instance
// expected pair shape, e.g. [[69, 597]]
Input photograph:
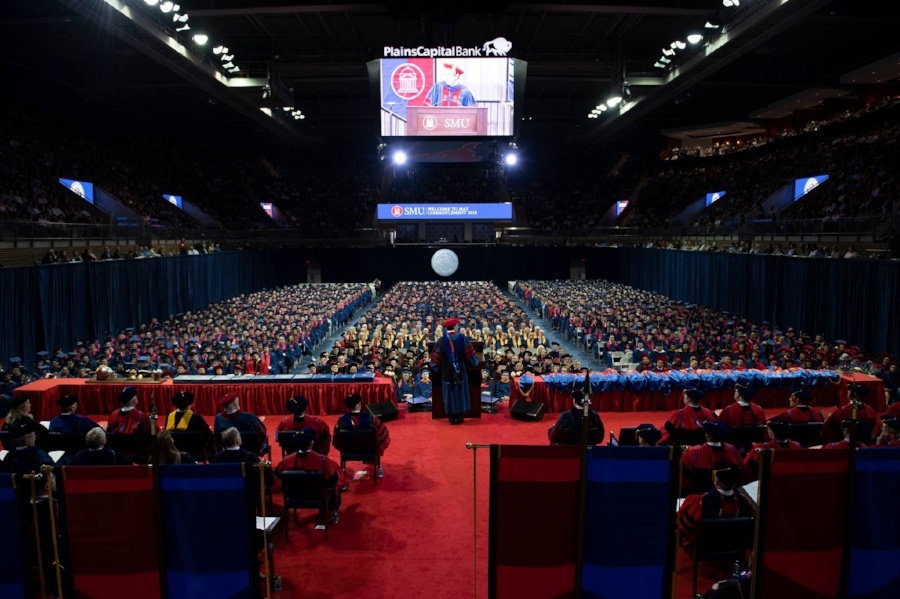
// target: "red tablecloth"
[[626, 401], [261, 399]]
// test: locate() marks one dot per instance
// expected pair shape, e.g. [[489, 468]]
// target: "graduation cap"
[[43, 367], [728, 475], [60, 355], [43, 354], [143, 358], [129, 364], [15, 360], [715, 429]]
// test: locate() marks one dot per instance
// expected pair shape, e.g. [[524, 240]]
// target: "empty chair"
[[307, 489], [191, 443], [806, 434], [358, 446]]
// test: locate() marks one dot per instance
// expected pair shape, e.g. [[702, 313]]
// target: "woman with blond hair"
[[168, 453]]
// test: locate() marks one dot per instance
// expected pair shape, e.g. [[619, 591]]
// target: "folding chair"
[[306, 489], [720, 539], [358, 446]]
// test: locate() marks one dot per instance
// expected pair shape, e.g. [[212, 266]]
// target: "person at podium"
[[450, 355], [449, 91]]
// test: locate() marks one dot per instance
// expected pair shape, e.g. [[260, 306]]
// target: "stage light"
[[603, 108], [227, 57], [218, 50], [680, 45], [302, 116], [200, 38], [167, 6], [659, 65], [711, 26], [664, 60], [511, 159], [184, 27], [228, 65], [399, 157], [614, 101], [668, 52], [673, 45], [695, 38], [286, 108], [592, 116], [234, 69], [180, 18], [152, 2]]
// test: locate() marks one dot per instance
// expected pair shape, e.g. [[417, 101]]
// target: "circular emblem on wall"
[[397, 211], [444, 262]]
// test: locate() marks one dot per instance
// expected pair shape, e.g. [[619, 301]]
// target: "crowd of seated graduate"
[[853, 161], [663, 334], [267, 332]]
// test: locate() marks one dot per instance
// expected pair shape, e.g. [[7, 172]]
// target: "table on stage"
[[258, 398], [628, 401]]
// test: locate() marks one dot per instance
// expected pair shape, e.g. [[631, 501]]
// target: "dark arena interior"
[[485, 299]]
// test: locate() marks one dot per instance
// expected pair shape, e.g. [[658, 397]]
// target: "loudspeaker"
[[425, 406], [383, 410], [530, 411]]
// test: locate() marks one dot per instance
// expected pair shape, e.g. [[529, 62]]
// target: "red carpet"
[[411, 537]]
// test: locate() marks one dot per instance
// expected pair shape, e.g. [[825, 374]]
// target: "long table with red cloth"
[[258, 398], [627, 401]]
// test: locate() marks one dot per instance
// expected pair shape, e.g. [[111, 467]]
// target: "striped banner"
[[12, 548], [875, 544], [532, 553], [629, 528], [803, 524], [111, 520], [208, 530]]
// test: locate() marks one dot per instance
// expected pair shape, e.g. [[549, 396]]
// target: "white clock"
[[444, 262]]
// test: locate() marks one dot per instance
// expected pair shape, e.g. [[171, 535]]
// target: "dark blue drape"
[[875, 545], [12, 563], [843, 299], [628, 545], [44, 307], [207, 527]]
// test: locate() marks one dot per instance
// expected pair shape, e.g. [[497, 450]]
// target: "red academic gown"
[[832, 429], [706, 456], [128, 422], [714, 504], [737, 415], [842, 444], [688, 418], [315, 462], [800, 415], [322, 443], [751, 460], [892, 412]]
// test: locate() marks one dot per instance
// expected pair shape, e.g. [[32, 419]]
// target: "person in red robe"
[[308, 460], [892, 412], [800, 412], [777, 431], [128, 420], [356, 419], [723, 501], [743, 412], [832, 432], [298, 406], [697, 461], [863, 431], [690, 418]]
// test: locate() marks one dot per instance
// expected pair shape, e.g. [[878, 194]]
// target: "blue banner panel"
[[875, 546], [207, 526], [807, 184], [12, 564], [173, 199], [467, 212], [628, 523], [80, 188]]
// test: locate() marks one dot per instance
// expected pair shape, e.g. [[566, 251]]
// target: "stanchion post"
[[261, 467], [48, 472], [37, 533]]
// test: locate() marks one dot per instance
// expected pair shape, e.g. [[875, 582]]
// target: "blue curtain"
[[12, 563], [628, 536], [44, 307], [208, 526], [875, 545]]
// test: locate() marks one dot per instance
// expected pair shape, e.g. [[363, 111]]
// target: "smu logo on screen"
[[408, 81], [398, 211]]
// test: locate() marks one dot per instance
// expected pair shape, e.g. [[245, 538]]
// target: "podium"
[[445, 121], [474, 376]]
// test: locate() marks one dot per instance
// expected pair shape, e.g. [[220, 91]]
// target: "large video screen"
[[80, 188], [806, 185], [465, 212], [448, 97]]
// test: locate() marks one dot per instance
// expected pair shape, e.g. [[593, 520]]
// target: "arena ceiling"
[[106, 63]]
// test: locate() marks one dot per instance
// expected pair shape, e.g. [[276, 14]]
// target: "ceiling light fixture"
[[184, 27], [680, 45], [614, 101], [695, 38], [167, 6], [664, 60], [218, 49], [659, 65], [200, 39], [668, 52], [711, 26]]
